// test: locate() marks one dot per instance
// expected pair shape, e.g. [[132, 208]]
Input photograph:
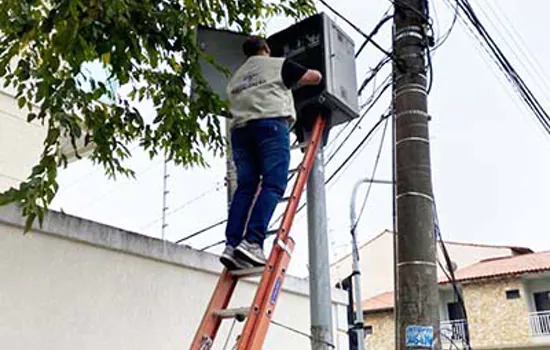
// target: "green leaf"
[[21, 102], [31, 117]]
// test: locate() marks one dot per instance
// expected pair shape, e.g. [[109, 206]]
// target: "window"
[[542, 301], [455, 311], [368, 330], [512, 294]]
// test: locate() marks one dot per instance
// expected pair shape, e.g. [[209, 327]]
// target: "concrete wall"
[[377, 262], [76, 284], [494, 320]]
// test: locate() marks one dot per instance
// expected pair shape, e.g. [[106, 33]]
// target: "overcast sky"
[[489, 155]]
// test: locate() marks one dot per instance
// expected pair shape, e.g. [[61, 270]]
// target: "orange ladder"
[[258, 316]]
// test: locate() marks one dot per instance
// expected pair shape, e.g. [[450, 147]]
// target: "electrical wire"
[[380, 24], [424, 17], [526, 95], [376, 162], [449, 271], [451, 341], [447, 34], [294, 330], [230, 333], [522, 59], [373, 72], [216, 187], [213, 244], [532, 59], [221, 222], [359, 30], [358, 147], [363, 115]]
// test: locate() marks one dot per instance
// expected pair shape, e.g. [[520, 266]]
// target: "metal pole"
[[231, 171], [165, 191], [319, 270], [417, 288], [356, 269]]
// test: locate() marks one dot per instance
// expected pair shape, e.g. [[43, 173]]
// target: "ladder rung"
[[284, 199], [253, 271], [272, 232], [294, 171], [299, 145], [239, 313]]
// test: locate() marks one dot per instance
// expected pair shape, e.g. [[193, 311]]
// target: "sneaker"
[[232, 262], [251, 252]]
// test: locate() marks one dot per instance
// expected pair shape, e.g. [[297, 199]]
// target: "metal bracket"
[[206, 343], [283, 246], [416, 262], [416, 194], [413, 112], [411, 31], [415, 139]]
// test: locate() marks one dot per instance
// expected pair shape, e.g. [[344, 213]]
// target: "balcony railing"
[[455, 331], [539, 322]]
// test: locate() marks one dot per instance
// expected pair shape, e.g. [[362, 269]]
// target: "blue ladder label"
[[419, 336], [276, 290]]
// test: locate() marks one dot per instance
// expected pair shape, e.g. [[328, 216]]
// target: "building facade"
[[21, 142], [507, 304]]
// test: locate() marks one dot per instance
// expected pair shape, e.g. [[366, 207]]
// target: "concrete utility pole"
[[417, 324], [319, 269]]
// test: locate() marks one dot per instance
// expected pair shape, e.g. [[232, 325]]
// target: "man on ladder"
[[261, 107]]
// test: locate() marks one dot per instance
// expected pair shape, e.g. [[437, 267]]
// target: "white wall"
[[81, 285]]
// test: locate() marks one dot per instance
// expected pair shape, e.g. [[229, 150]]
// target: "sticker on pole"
[[419, 336], [276, 290]]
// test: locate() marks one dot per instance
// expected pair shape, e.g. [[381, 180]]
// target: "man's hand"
[[311, 77]]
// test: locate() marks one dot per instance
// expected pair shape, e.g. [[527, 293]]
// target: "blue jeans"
[[261, 150]]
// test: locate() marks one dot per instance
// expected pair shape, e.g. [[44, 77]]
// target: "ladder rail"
[[257, 323], [267, 307], [211, 322]]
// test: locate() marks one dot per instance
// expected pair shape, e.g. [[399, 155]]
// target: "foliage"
[[146, 45]]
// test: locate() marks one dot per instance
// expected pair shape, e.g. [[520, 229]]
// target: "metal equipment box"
[[318, 43]]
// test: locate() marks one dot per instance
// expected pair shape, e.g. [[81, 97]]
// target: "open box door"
[[225, 47]]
